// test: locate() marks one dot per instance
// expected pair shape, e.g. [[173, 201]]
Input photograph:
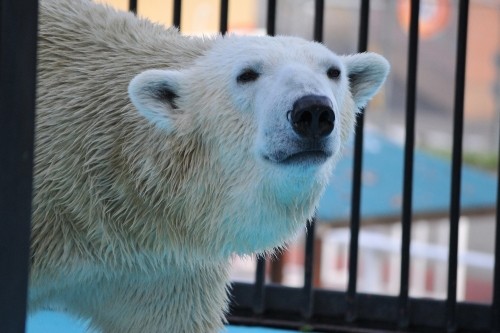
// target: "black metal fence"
[[263, 304]]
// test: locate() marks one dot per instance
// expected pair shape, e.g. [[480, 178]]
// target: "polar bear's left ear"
[[154, 93], [366, 72]]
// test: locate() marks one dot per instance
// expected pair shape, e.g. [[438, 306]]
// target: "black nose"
[[312, 117]]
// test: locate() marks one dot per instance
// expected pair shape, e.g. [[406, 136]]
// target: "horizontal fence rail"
[[260, 303]]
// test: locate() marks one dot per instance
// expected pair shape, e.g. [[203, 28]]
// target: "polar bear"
[[160, 156]]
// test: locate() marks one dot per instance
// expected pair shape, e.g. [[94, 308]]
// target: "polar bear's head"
[[273, 111]]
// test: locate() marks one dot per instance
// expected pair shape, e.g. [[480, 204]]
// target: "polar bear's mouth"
[[300, 158]]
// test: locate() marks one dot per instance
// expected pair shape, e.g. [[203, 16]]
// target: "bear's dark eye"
[[248, 75], [333, 73]]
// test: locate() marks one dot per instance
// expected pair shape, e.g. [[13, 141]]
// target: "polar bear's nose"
[[312, 117]]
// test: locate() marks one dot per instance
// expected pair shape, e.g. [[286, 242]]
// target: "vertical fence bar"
[[495, 308], [364, 20], [132, 6], [319, 13], [260, 274], [271, 17], [177, 14], [259, 286], [224, 12], [307, 291], [18, 34], [406, 218], [458, 120]]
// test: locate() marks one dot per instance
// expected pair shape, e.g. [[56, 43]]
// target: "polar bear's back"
[[87, 55]]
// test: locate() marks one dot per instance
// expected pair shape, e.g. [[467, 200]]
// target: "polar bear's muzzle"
[[312, 117], [311, 120]]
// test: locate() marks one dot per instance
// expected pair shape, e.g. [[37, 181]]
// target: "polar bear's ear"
[[366, 72], [154, 93]]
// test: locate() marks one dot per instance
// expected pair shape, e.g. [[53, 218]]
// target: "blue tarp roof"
[[382, 184]]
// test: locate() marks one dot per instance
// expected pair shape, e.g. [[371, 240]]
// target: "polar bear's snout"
[[307, 137], [312, 117]]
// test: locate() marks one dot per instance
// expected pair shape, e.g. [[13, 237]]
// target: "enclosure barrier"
[[259, 303]]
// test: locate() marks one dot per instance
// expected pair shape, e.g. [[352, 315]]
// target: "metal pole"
[[406, 218], [352, 313], [456, 168], [18, 34]]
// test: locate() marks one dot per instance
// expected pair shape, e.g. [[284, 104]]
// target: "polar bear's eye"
[[248, 75], [333, 73]]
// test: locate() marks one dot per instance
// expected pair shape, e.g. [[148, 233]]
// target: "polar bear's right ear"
[[154, 93], [367, 72]]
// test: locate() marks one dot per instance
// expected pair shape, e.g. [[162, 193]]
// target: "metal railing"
[[258, 303]]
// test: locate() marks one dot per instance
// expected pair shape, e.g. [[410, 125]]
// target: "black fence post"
[[132, 6], [224, 16], [351, 315], [307, 290], [458, 120], [259, 286], [271, 17], [18, 34], [406, 215], [259, 290], [495, 312], [177, 13]]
